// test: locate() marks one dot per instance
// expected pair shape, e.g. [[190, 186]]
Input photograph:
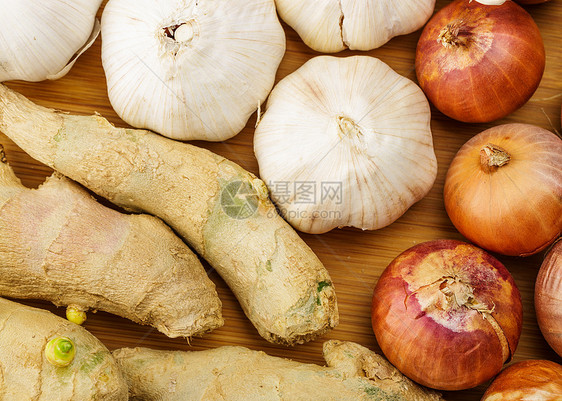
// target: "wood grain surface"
[[355, 259]]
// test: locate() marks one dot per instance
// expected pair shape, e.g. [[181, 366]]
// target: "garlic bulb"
[[333, 25], [190, 69], [345, 142], [42, 39]]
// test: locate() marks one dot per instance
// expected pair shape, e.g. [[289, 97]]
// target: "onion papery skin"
[[536, 380], [495, 67], [548, 298], [447, 345], [514, 209]]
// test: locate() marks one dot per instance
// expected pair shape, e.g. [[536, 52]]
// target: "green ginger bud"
[[60, 351], [75, 314]]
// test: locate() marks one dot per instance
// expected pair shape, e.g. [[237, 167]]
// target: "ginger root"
[[354, 373], [26, 373], [58, 244], [219, 208]]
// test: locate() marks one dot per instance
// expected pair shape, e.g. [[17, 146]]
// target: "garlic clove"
[[332, 25], [93, 36], [318, 22], [190, 69], [369, 24], [56, 33], [345, 142]]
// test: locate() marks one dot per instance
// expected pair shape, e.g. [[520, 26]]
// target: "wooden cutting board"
[[354, 258]]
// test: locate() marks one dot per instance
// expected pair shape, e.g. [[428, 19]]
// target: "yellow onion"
[[535, 380], [503, 190]]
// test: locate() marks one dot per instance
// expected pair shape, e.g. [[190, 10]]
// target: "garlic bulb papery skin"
[[331, 26], [42, 39], [190, 69], [345, 142]]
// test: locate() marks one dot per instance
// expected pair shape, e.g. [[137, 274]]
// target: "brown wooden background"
[[354, 258]]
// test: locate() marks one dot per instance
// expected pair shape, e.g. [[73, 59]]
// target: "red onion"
[[477, 62], [447, 314], [548, 298]]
